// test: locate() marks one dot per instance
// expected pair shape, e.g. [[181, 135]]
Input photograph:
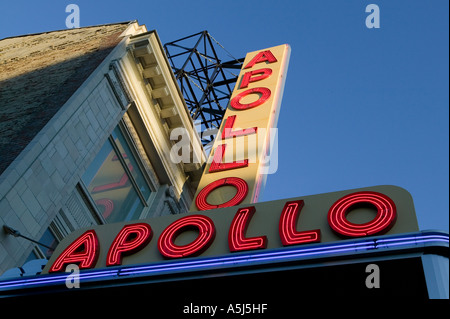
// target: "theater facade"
[[93, 202]]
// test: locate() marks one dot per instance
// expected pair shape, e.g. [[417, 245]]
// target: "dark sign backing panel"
[[280, 292]]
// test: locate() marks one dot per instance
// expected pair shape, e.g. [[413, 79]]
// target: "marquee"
[[279, 225]]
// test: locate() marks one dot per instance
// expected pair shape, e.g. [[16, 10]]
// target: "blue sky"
[[361, 107]]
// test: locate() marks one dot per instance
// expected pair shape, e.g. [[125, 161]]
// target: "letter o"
[[205, 227], [236, 101], [383, 221], [240, 185]]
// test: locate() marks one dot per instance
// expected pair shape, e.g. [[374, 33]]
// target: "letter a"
[[73, 19], [373, 280], [373, 19], [83, 251], [73, 280], [263, 56]]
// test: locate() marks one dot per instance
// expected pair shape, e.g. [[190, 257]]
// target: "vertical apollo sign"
[[238, 163]]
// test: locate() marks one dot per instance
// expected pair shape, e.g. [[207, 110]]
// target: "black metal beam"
[[204, 79]]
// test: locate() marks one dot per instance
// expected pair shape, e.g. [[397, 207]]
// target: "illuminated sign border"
[[348, 248]]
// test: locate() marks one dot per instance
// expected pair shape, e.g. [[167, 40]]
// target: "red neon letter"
[[287, 227], [262, 56], [206, 234], [247, 78], [228, 129], [384, 220], [236, 236], [241, 192], [217, 165], [83, 251], [236, 101], [130, 239]]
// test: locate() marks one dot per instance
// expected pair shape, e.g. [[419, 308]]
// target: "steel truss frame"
[[206, 82]]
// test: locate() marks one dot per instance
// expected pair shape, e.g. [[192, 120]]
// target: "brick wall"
[[39, 73]]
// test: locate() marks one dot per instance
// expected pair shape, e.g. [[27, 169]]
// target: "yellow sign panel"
[[238, 163]]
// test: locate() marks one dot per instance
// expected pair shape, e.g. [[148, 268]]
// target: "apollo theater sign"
[[225, 217], [230, 179]]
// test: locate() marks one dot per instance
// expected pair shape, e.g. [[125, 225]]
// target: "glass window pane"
[[122, 145], [111, 188], [32, 256], [49, 240]]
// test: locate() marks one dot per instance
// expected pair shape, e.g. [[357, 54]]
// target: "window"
[[41, 252], [115, 181]]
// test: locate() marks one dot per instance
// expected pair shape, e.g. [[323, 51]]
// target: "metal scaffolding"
[[206, 81]]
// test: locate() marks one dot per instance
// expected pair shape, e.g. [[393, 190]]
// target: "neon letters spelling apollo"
[[254, 106], [113, 243]]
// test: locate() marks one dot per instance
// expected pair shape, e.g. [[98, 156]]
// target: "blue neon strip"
[[238, 260], [307, 252], [52, 279]]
